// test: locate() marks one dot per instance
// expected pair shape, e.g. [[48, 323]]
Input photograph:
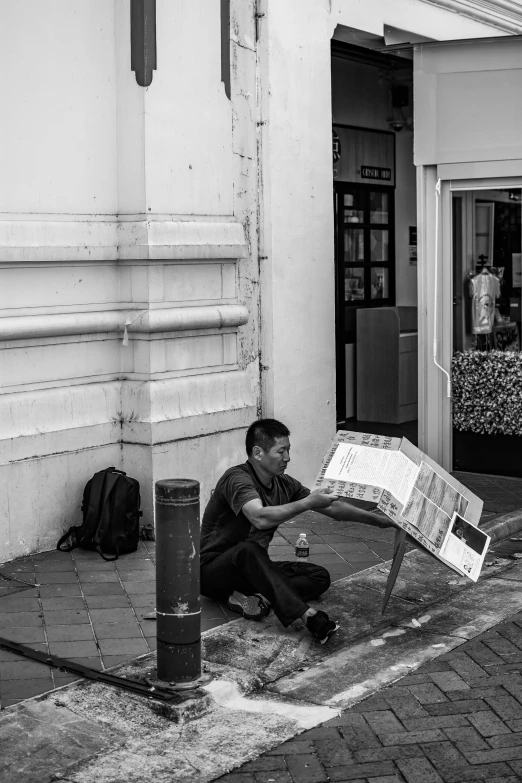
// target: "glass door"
[[366, 244], [365, 277]]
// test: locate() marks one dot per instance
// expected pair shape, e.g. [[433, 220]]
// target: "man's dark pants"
[[247, 568]]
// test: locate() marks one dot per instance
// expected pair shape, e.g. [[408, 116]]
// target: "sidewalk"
[[499, 493], [457, 719], [78, 606], [269, 684]]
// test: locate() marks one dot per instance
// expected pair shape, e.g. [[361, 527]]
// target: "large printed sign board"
[[413, 491]]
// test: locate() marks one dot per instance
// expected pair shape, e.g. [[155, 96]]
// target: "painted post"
[[177, 580]]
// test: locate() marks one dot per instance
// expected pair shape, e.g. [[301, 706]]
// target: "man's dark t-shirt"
[[224, 525]]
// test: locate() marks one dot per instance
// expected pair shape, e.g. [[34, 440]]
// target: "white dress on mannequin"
[[485, 290]]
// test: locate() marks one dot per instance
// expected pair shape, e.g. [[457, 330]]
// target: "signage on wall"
[[376, 172], [413, 246], [336, 146], [336, 152], [363, 155]]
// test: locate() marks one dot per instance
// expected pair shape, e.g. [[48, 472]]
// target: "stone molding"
[[113, 239], [168, 319], [505, 15], [43, 422]]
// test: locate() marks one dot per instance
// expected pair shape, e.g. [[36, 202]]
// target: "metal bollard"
[[177, 580]]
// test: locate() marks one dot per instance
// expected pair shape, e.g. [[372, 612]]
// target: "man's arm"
[[343, 511], [264, 517]]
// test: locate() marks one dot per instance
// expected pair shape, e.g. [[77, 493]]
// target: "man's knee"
[[249, 549], [322, 579]]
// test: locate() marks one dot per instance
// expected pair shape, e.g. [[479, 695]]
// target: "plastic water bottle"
[[302, 547]]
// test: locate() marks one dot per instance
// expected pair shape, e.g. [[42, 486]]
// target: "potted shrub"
[[487, 411]]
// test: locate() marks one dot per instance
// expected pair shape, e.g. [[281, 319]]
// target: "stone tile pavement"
[[457, 719], [80, 607], [500, 493]]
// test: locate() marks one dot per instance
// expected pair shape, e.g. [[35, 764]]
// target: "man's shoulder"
[[289, 481], [292, 487], [236, 472]]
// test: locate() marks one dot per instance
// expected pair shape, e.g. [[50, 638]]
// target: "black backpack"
[[111, 516]]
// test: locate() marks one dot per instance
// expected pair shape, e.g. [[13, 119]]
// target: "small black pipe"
[[143, 40], [225, 45]]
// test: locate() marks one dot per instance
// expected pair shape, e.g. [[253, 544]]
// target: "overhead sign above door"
[[374, 172], [362, 155]]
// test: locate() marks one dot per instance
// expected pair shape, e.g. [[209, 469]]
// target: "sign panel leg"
[[399, 550]]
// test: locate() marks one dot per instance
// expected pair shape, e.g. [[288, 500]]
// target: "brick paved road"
[[455, 720]]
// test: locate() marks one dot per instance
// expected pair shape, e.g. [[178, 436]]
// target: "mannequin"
[[484, 288]]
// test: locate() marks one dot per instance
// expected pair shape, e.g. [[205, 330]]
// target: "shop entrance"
[[468, 155], [375, 242], [487, 362]]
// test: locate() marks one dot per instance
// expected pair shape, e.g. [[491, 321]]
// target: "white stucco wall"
[[58, 126], [297, 263], [122, 204], [187, 122]]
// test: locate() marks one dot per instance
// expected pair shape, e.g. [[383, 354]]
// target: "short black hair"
[[264, 433]]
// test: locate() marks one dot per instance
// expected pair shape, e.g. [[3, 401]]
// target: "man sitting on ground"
[[248, 504]]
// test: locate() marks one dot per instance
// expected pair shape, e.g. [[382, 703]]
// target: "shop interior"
[[487, 275], [487, 311], [374, 182]]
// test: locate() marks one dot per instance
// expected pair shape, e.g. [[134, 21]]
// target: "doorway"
[[374, 190], [365, 279]]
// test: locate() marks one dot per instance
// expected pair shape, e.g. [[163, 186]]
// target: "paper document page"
[[440, 492], [363, 465], [415, 493], [368, 439], [465, 547], [427, 517]]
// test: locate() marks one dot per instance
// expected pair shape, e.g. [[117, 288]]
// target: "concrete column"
[[297, 242]]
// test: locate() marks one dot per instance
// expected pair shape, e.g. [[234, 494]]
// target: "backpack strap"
[[73, 536], [104, 517], [78, 533], [118, 515], [107, 557], [95, 506]]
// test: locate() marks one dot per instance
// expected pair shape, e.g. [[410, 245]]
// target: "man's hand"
[[344, 511], [320, 498]]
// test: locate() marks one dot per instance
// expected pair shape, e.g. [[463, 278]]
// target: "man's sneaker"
[[321, 626], [252, 607]]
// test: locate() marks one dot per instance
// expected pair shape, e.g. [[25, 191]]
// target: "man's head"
[[268, 446]]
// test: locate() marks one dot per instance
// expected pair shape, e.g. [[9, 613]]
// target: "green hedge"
[[487, 392]]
